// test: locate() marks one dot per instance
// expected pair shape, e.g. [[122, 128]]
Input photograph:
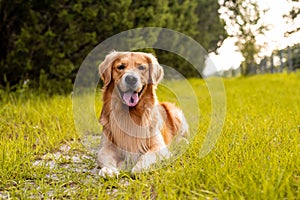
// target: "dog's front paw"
[[107, 172], [149, 159], [137, 169], [144, 163]]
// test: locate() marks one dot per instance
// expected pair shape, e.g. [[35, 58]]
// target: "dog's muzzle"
[[131, 95]]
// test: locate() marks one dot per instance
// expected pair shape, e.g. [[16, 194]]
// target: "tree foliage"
[[292, 15], [42, 43], [245, 21]]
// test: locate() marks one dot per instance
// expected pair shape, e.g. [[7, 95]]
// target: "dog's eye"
[[141, 67], [121, 67]]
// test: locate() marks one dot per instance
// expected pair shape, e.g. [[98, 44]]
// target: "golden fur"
[[137, 129]]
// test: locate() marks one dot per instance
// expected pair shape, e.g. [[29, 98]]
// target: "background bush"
[[43, 43]]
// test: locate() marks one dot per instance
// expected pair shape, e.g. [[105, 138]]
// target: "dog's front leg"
[[107, 162], [108, 159], [149, 158], [158, 151]]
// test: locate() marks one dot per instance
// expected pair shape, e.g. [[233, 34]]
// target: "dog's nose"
[[130, 80]]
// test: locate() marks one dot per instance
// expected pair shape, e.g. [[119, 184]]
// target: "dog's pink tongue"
[[131, 98]]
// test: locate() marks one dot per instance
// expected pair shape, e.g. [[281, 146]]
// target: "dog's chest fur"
[[133, 130]]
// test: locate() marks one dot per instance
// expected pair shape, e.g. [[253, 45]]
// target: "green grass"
[[256, 157]]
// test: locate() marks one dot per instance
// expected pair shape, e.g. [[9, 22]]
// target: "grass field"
[[256, 157]]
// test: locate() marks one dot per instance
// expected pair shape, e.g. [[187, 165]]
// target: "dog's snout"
[[131, 80]]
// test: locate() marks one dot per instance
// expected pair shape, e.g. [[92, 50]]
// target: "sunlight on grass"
[[256, 157]]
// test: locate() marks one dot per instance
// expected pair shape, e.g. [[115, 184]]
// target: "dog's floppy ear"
[[106, 66], [156, 71]]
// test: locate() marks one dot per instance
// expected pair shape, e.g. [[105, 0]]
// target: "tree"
[[293, 14], [210, 27], [180, 12], [43, 43], [49, 45], [204, 25], [10, 27], [245, 24]]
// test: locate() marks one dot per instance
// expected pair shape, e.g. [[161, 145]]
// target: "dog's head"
[[130, 73]]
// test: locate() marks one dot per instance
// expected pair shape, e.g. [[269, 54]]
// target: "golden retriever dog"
[[137, 129]]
